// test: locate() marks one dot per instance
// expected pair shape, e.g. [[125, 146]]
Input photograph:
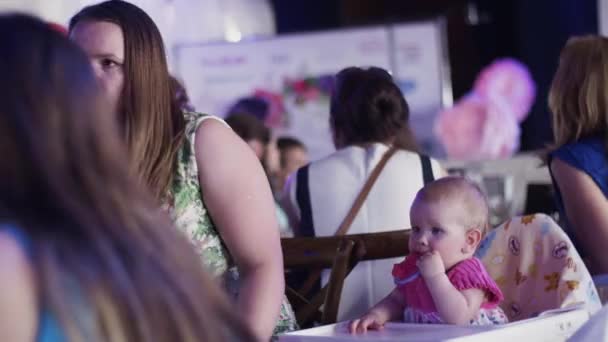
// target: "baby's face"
[[438, 226]]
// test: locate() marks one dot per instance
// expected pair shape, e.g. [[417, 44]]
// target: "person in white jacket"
[[368, 115]]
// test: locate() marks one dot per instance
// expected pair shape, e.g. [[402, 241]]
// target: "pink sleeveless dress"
[[467, 274]]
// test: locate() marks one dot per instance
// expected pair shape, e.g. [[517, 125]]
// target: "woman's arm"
[[587, 211], [18, 309], [238, 197]]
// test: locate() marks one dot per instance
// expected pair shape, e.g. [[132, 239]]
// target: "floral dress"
[[190, 215]]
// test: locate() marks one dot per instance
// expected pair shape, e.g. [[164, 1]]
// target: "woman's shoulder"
[[16, 288], [193, 121], [587, 154], [579, 150], [15, 251], [193, 126], [415, 160], [357, 161], [12, 248], [362, 154]]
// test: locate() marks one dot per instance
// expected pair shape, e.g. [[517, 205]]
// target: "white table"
[[595, 330], [550, 327]]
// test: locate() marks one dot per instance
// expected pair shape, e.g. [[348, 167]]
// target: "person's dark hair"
[[180, 95], [153, 125], [108, 264], [251, 105], [367, 106], [248, 127], [286, 143]]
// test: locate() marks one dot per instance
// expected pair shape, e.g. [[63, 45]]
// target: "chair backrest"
[[537, 267], [341, 254]]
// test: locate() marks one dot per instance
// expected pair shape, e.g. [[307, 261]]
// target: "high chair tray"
[[549, 327]]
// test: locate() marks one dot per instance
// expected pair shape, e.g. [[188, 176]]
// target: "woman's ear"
[[472, 239]]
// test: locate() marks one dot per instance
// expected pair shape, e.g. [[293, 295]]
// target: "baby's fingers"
[[367, 322], [376, 326], [359, 325], [352, 326]]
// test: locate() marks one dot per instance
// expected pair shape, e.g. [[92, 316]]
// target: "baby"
[[440, 281]]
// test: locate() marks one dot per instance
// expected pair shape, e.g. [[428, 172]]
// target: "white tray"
[[551, 326]]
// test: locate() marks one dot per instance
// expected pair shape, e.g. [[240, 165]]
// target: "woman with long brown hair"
[[85, 254], [578, 161], [207, 177]]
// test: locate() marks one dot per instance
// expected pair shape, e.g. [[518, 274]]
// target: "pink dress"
[[467, 274]]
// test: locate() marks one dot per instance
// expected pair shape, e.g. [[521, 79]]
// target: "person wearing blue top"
[[578, 160], [85, 252]]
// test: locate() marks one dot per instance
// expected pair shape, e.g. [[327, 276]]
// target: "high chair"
[[537, 267]]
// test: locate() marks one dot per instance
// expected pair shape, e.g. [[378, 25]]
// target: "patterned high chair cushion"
[[536, 266]]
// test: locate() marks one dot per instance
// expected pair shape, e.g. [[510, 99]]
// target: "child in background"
[[292, 156], [440, 281]]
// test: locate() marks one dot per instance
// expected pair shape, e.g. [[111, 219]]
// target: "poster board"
[[291, 70]]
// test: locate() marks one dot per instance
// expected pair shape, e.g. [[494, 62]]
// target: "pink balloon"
[[478, 128], [511, 80], [484, 124]]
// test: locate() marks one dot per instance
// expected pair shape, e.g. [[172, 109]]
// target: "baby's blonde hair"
[[458, 191]]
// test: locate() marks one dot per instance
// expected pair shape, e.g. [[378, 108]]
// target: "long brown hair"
[[108, 264], [578, 97], [153, 122]]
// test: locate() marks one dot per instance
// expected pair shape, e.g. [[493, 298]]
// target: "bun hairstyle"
[[366, 107]]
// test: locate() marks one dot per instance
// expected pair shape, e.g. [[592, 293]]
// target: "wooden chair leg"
[[295, 299], [339, 271], [310, 282], [344, 263], [311, 312]]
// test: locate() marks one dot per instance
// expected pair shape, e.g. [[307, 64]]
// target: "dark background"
[[479, 31]]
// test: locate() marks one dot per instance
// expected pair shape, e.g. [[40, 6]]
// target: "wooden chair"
[[341, 254]]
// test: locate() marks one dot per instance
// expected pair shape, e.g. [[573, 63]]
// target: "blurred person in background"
[[197, 168], [251, 105], [292, 156], [252, 131], [181, 95], [257, 136], [85, 252], [247, 117]]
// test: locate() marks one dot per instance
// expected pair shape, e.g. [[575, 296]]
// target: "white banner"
[[294, 71]]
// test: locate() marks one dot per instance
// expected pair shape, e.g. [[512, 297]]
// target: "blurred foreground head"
[[108, 264]]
